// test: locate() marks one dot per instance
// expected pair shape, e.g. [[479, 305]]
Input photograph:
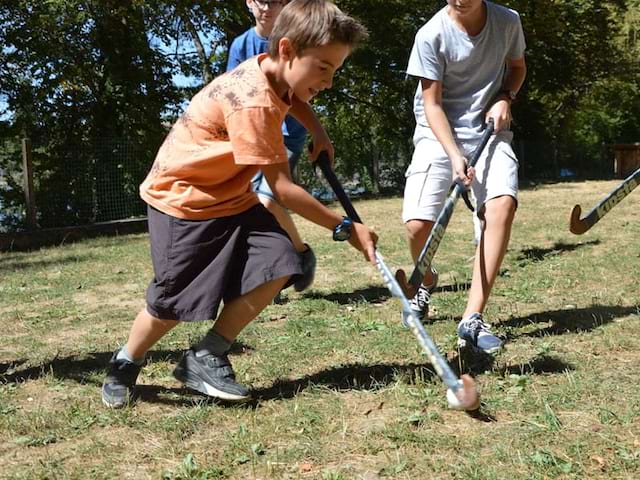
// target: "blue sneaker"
[[422, 299], [474, 332], [308, 261]]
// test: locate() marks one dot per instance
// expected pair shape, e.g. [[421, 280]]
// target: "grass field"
[[342, 390]]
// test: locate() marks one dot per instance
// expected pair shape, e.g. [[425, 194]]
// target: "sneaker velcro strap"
[[218, 361], [220, 367]]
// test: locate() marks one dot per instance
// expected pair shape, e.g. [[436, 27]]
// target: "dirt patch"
[[128, 295]]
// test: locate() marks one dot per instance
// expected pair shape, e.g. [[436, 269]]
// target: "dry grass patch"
[[342, 389]]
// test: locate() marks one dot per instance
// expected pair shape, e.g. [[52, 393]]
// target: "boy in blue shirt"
[[254, 42]]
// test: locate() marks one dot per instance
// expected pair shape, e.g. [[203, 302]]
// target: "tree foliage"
[[77, 74]]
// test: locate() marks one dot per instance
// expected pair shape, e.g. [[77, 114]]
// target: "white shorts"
[[430, 176]]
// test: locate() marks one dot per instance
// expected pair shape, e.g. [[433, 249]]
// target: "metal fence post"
[[29, 193]]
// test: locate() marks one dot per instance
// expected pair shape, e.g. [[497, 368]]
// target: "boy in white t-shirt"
[[469, 58]]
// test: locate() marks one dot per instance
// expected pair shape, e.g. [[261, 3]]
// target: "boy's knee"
[[417, 228], [501, 209]]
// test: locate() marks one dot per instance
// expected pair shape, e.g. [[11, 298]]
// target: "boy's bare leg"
[[145, 332], [417, 234], [239, 312], [499, 214], [285, 221]]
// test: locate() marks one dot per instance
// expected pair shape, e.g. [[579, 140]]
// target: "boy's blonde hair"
[[314, 23]]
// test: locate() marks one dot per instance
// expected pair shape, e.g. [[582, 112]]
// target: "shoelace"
[[477, 324]]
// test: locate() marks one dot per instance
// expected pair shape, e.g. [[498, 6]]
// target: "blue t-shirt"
[[248, 45]]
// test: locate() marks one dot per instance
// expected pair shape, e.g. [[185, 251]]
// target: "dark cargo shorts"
[[199, 263]]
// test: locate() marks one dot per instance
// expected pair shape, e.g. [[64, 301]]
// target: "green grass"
[[342, 390]]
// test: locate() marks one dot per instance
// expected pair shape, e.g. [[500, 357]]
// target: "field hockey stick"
[[461, 393], [437, 232], [579, 225]]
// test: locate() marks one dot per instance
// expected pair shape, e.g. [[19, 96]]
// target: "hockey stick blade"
[[579, 225], [408, 289]]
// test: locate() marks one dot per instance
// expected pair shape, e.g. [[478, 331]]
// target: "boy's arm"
[[300, 201], [234, 57], [500, 111], [432, 97], [303, 112]]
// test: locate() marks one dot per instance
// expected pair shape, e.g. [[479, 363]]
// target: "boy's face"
[[465, 7], [266, 12], [312, 71]]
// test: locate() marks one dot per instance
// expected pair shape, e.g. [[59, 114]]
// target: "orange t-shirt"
[[204, 167]]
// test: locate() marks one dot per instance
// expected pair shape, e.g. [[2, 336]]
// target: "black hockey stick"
[[461, 393], [579, 225], [437, 232]]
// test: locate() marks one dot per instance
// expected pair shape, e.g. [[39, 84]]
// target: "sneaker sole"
[[113, 405], [207, 389], [107, 403], [462, 343]]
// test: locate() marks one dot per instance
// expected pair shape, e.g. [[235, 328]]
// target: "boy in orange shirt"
[[211, 239]]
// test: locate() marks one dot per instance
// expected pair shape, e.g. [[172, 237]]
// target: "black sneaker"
[[308, 261], [211, 375], [422, 299], [119, 384]]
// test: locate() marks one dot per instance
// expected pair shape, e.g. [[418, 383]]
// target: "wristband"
[[343, 230]]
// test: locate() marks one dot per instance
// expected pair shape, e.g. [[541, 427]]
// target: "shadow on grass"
[[373, 294], [359, 377], [539, 365], [10, 366], [540, 254], [11, 262], [82, 367], [351, 377], [347, 378], [370, 294], [568, 321]]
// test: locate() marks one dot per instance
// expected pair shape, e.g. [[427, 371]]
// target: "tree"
[[78, 74]]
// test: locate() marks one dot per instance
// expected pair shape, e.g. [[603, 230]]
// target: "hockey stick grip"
[[488, 131], [325, 166]]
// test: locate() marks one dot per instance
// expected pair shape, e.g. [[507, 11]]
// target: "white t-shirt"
[[471, 69]]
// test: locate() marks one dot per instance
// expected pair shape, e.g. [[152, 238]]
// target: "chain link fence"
[[85, 183], [73, 184]]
